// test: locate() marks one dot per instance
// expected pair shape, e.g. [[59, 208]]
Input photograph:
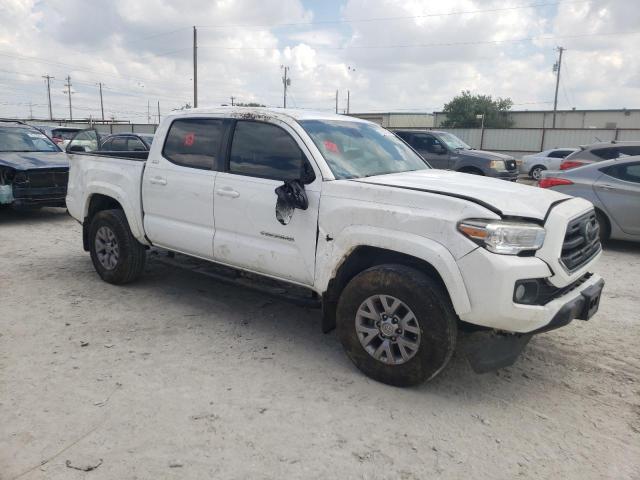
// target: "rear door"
[[248, 235], [619, 191], [177, 187]]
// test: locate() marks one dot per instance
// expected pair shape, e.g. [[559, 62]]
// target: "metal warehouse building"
[[609, 119]]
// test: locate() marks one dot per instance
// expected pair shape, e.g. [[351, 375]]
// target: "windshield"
[[18, 139], [356, 149], [453, 142]]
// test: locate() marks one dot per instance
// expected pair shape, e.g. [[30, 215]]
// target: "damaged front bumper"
[[36, 188], [490, 350]]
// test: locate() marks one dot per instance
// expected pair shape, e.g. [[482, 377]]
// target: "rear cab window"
[[195, 142]]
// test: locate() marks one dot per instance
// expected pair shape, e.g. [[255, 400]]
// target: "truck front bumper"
[[490, 281], [490, 350]]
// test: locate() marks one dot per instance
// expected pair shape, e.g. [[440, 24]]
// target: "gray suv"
[[446, 151]]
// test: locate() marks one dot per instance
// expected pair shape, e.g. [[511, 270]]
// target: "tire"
[[536, 172], [435, 324], [603, 223], [128, 261]]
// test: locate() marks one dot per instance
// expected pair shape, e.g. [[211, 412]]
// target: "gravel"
[[181, 376]]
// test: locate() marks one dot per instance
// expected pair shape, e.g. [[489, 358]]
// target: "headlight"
[[497, 165], [507, 238]]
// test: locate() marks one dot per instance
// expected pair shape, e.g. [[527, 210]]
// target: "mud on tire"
[[431, 308], [131, 254]]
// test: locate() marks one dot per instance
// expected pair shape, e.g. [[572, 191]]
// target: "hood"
[[503, 197], [31, 160], [484, 154]]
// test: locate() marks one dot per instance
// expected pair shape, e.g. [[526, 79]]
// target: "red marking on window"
[[189, 138], [330, 146]]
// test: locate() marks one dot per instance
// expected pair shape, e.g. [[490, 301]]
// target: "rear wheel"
[[536, 172], [116, 255], [396, 324]]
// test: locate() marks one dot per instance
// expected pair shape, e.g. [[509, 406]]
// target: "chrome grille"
[[581, 242]]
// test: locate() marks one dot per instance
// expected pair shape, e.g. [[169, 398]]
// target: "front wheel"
[[536, 172], [397, 325], [116, 255]]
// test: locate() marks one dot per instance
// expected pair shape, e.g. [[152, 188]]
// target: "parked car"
[[398, 255], [61, 136], [33, 170], [534, 165], [127, 142], [613, 186], [599, 152], [446, 151]]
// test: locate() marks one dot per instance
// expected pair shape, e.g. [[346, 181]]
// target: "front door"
[[177, 186], [431, 149], [248, 234], [619, 191]]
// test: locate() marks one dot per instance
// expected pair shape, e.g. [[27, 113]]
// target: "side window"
[[106, 146], [267, 151], [559, 153], [134, 144], [606, 153], [423, 142], [119, 144], [194, 142], [628, 173], [628, 151]]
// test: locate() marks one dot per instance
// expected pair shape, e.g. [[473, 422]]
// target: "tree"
[[250, 104], [463, 110]]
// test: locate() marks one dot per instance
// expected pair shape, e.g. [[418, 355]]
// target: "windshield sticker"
[[331, 147]]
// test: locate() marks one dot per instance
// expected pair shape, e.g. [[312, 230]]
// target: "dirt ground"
[[180, 376]]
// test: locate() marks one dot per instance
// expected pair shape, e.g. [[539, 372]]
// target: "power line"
[[404, 17], [441, 44]]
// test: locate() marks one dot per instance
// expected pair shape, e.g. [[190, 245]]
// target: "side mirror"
[[76, 148], [291, 195]]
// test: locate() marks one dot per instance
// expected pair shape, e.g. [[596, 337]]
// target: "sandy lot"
[[181, 376]]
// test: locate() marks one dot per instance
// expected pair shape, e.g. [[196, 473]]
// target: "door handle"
[[158, 181], [227, 192], [606, 187]]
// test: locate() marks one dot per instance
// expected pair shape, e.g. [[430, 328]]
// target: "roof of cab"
[[265, 112]]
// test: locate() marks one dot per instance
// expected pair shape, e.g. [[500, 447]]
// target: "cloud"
[[427, 53]]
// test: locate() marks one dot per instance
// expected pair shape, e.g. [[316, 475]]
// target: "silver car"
[[534, 165], [613, 186]]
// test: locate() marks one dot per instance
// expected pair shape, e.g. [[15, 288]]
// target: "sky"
[[390, 55]]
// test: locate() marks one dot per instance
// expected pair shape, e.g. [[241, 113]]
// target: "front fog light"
[[526, 291]]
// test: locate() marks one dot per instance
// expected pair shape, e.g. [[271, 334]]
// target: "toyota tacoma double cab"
[[400, 256]]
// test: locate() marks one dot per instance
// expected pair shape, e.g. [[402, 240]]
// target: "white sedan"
[[533, 165]]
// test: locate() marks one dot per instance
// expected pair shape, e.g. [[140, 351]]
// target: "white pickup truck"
[[401, 257]]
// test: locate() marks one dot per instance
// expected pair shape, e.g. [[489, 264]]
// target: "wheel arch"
[[362, 257], [469, 169], [99, 201]]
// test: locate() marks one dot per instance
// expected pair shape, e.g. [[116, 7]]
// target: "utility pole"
[[336, 101], [285, 82], [232, 99], [101, 104], [348, 95], [49, 78], [148, 111], [195, 67], [68, 85], [158, 112], [30, 111], [556, 68]]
